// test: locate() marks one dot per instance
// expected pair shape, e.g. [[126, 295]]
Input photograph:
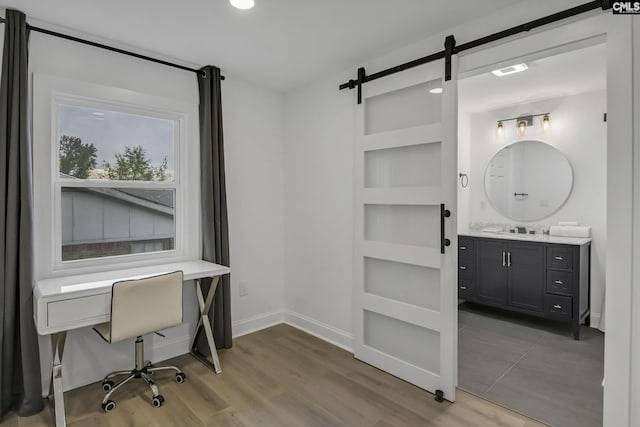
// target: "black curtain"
[[20, 387], [215, 229]]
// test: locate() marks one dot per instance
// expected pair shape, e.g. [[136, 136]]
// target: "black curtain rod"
[[109, 48], [577, 10]]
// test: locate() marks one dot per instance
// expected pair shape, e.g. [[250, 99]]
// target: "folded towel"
[[492, 230], [568, 223], [570, 231]]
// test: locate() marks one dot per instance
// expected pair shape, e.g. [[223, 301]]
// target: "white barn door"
[[405, 292]]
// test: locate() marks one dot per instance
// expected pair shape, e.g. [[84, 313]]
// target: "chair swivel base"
[[143, 370]]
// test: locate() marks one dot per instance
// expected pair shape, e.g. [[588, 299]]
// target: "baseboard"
[[595, 320], [256, 323], [325, 332]]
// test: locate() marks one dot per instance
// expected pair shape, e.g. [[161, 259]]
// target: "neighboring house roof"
[[160, 200]]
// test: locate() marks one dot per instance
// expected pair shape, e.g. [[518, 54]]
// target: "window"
[[116, 181], [115, 177]]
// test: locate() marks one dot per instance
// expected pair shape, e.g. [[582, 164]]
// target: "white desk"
[[70, 302]]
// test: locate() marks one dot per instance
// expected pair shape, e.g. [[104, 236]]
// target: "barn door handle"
[[444, 213]]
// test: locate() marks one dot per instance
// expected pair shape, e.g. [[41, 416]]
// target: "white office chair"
[[140, 307]]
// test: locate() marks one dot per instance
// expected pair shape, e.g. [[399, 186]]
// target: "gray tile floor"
[[531, 365]]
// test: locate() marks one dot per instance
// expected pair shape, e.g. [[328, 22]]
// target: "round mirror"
[[528, 180]]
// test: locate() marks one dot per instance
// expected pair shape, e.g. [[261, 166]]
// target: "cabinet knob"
[[464, 288], [463, 248], [462, 267], [557, 306], [559, 282], [559, 258]]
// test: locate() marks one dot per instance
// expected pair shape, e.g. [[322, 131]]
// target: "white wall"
[[579, 132], [254, 141], [253, 126], [318, 187], [319, 168]]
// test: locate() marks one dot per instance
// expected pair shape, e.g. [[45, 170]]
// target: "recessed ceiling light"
[[436, 90], [510, 70], [242, 4]]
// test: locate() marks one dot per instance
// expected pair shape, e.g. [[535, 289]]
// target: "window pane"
[[100, 222], [96, 143]]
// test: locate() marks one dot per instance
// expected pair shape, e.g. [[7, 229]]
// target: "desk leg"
[[204, 323], [56, 395]]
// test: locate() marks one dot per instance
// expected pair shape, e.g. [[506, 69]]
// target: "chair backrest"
[[143, 306]]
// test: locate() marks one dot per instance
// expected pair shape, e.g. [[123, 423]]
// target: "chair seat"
[[104, 330]]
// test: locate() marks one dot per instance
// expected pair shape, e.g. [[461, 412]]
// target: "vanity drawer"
[[465, 288], [559, 307], [465, 268], [560, 257], [465, 248], [559, 282]]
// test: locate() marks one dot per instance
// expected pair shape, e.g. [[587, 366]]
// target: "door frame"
[[617, 31]]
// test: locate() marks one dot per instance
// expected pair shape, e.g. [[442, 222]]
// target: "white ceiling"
[[571, 73], [280, 44]]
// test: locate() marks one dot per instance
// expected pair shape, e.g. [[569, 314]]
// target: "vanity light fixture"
[[242, 4], [510, 70], [546, 123], [500, 130], [523, 122], [522, 127]]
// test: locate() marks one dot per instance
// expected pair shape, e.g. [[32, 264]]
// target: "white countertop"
[[543, 238]]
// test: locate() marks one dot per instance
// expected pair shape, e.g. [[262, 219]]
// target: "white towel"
[[575, 223], [570, 231]]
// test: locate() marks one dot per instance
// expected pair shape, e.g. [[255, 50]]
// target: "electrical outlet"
[[243, 287]]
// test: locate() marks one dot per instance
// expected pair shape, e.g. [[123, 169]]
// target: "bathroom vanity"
[[540, 275]]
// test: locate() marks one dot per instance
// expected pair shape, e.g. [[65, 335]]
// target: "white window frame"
[[51, 91]]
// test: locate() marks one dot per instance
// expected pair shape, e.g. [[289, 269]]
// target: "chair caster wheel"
[[109, 406], [180, 377], [107, 385], [157, 401]]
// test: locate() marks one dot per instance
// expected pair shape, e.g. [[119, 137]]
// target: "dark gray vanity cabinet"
[[492, 273], [548, 280]]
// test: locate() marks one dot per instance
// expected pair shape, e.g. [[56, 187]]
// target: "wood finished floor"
[[279, 377]]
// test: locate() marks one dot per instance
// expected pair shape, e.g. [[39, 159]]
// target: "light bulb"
[[522, 128], [242, 4], [500, 130], [546, 123]]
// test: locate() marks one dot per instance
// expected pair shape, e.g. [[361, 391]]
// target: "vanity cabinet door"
[[491, 273], [526, 276]]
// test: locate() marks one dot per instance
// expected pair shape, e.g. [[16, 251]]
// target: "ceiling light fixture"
[[242, 4], [510, 70], [436, 90]]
